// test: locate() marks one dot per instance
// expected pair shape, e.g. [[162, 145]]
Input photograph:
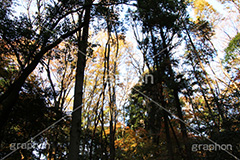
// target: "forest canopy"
[[120, 79]]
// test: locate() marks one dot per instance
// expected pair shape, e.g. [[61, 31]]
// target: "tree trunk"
[[77, 106], [176, 97], [168, 138]]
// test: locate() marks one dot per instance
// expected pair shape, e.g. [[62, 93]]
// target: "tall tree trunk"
[[111, 105], [168, 138], [177, 141], [182, 125], [176, 97], [78, 93], [113, 102]]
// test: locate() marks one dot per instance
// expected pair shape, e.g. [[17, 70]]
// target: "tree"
[[161, 23], [231, 58], [59, 65], [78, 91], [30, 39], [31, 114], [188, 94]]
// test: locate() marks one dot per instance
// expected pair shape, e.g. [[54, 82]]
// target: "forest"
[[120, 79]]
